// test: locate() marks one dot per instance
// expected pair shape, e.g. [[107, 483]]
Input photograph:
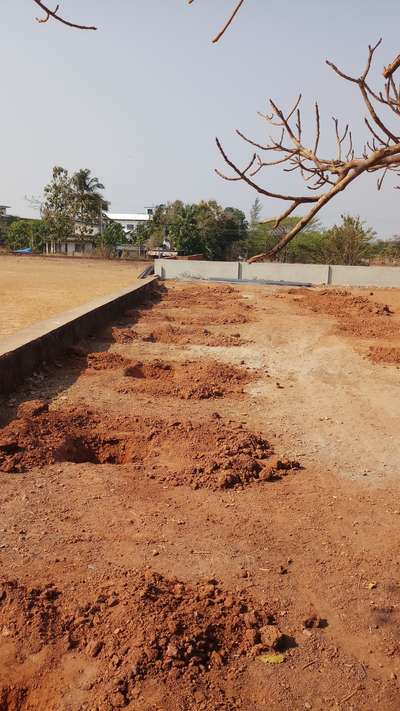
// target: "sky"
[[141, 100]]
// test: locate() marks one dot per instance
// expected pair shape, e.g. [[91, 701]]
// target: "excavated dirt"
[[177, 335], [210, 454], [190, 380], [105, 361], [118, 515], [187, 316], [357, 315], [140, 627], [197, 380], [384, 354], [78, 357], [203, 296], [184, 317]]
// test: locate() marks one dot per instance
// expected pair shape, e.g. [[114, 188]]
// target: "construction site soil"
[[358, 315], [199, 516]]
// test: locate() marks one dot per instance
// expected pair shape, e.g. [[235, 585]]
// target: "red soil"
[[221, 456], [129, 630], [178, 335], [384, 354], [357, 315], [190, 380]]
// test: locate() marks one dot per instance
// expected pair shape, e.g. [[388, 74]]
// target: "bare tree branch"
[[54, 14], [391, 68], [325, 176], [48, 13], [228, 22]]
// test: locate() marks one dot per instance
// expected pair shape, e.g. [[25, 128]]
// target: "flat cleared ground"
[[35, 288], [207, 515]]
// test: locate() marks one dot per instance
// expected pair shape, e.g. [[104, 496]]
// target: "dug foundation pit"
[[189, 380], [210, 454], [171, 334]]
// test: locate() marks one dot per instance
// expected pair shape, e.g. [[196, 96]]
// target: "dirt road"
[[206, 516]]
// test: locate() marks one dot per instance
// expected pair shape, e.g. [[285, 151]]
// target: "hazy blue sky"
[[141, 100]]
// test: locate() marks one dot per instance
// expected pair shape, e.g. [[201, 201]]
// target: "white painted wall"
[[193, 269], [365, 276], [276, 271]]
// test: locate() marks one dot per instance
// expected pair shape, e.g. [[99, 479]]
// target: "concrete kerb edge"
[[22, 353]]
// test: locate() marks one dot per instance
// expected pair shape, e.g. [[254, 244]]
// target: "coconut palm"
[[89, 201]]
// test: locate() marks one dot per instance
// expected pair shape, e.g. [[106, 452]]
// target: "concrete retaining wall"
[[187, 269], [23, 352], [276, 271], [365, 276], [310, 273]]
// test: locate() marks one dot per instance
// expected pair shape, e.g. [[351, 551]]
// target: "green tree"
[[230, 235], [184, 231], [263, 236], [27, 233], [111, 235], [205, 228], [387, 250], [351, 242], [255, 212], [141, 234], [58, 208]]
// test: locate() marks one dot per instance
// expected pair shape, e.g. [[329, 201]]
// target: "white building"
[[130, 220], [71, 246]]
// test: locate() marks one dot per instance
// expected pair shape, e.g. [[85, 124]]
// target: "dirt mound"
[[335, 301], [372, 327], [100, 360], [31, 408], [357, 315], [178, 335], [205, 295], [31, 612], [218, 315], [384, 354], [122, 335], [129, 630], [190, 380], [213, 455], [209, 454], [105, 361]]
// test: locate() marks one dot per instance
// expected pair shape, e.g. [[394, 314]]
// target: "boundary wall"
[[277, 272], [26, 350]]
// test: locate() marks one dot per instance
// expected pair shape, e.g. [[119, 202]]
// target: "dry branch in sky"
[[228, 22], [48, 13], [54, 14], [325, 177]]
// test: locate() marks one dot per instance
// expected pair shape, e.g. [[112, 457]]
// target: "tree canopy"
[[73, 204], [194, 228], [26, 233]]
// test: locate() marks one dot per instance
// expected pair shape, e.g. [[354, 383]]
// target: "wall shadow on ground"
[[55, 376]]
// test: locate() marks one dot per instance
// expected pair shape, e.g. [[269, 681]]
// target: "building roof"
[[128, 216]]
